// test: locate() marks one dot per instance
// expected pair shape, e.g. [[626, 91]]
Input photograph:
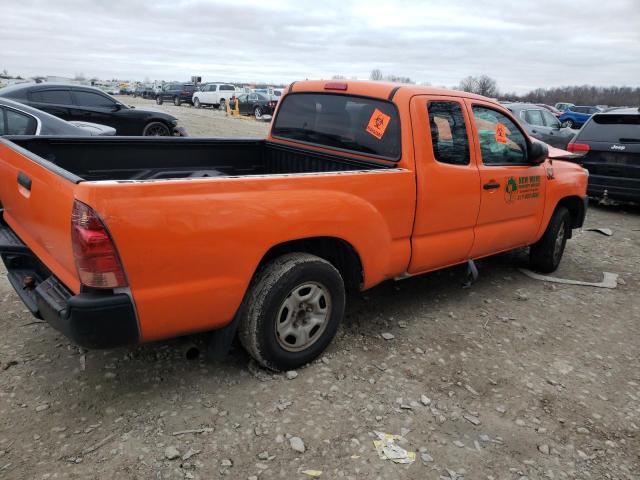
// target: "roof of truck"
[[384, 90]]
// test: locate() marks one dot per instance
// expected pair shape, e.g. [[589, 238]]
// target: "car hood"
[[94, 128]]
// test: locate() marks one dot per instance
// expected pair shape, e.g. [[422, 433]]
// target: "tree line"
[[613, 96]]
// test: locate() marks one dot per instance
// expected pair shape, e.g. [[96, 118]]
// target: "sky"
[[523, 44]]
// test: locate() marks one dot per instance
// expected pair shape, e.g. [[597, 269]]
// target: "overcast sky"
[[523, 44]]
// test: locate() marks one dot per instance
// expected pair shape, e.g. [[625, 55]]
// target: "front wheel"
[[291, 311], [568, 123], [196, 103], [258, 113], [177, 101], [159, 100], [546, 253], [223, 104], [156, 129]]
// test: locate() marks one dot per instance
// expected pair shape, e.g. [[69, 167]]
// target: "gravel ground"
[[512, 378], [205, 122]]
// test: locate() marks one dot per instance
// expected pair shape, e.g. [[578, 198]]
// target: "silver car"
[[540, 123]]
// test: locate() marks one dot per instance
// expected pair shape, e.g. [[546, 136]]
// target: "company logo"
[[510, 190], [618, 147]]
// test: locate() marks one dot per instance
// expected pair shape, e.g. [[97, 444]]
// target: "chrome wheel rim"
[[557, 248], [258, 112], [223, 105], [303, 316]]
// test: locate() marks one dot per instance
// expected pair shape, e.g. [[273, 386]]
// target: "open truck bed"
[[144, 158]]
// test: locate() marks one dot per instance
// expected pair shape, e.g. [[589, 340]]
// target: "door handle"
[[491, 186], [24, 181], [534, 131]]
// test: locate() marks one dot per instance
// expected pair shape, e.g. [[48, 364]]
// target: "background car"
[[88, 104], [562, 106], [178, 93], [609, 143], [553, 110], [255, 104], [144, 92], [576, 116], [19, 119], [215, 94], [540, 123]]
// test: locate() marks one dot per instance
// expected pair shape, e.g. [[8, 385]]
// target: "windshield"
[[358, 124]]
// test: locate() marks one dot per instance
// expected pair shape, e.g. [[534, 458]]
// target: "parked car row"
[[89, 104]]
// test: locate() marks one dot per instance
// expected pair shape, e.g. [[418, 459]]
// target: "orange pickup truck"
[[118, 241]]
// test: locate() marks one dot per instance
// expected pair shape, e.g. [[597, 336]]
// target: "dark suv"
[[177, 93], [609, 143]]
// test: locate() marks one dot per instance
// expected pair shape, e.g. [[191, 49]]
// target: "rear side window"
[[356, 124], [501, 142], [612, 128], [90, 99], [534, 117], [227, 87], [2, 132], [17, 123], [57, 97], [448, 133]]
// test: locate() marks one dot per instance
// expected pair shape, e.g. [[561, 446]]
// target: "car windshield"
[[346, 122], [614, 128]]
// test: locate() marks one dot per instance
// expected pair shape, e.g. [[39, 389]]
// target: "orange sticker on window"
[[378, 123], [501, 133]]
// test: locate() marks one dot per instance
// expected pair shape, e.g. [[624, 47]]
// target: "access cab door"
[[513, 189], [448, 182]]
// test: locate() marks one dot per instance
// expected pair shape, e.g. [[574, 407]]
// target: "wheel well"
[[335, 250], [575, 205]]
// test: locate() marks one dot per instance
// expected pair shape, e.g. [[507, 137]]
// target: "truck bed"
[[157, 158]]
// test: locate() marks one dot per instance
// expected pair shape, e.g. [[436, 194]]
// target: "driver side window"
[[501, 142]]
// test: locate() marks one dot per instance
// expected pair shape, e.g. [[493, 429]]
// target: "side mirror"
[[116, 107], [538, 152]]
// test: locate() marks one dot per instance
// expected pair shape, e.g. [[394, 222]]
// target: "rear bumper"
[[92, 320], [619, 188]]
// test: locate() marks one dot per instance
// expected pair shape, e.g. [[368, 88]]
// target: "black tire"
[[196, 103], [546, 253], [258, 113], [271, 290], [568, 123], [177, 101], [223, 104], [159, 100], [156, 129]]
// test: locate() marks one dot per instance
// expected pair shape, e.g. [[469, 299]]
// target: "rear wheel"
[[159, 100], [546, 253], [292, 311], [177, 101], [568, 123], [156, 129], [223, 104]]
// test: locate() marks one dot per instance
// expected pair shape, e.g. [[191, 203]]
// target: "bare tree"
[[487, 86], [468, 84], [376, 75]]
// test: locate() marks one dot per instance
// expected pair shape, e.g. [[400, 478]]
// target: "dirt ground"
[[512, 378], [205, 122]]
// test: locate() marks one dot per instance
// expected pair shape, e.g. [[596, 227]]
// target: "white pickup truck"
[[215, 94]]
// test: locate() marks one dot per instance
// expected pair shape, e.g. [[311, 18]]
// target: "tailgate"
[[37, 197]]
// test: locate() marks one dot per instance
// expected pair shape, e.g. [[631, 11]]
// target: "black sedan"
[[255, 104], [19, 119], [88, 104]]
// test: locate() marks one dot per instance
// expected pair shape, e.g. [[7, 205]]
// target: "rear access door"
[[37, 199], [448, 182]]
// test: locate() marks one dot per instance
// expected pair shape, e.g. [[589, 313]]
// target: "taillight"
[[578, 147], [96, 257]]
